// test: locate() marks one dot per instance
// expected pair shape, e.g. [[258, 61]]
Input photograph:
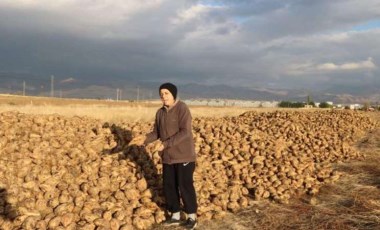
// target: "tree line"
[[289, 104]]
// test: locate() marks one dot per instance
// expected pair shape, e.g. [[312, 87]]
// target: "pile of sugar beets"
[[58, 172]]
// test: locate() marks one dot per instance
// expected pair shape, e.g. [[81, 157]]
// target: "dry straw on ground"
[[107, 111]]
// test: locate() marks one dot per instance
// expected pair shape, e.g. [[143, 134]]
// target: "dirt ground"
[[351, 203]]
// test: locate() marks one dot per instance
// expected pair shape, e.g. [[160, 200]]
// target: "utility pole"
[[138, 93], [23, 88], [52, 86], [117, 94]]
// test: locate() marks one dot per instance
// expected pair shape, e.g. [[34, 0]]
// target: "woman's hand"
[[160, 147], [139, 140]]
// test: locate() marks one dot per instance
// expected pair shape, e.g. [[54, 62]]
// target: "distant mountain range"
[[71, 87]]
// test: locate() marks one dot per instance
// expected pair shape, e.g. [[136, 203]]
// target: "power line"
[[18, 77]]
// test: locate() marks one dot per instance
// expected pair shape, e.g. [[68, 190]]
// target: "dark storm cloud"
[[258, 43]]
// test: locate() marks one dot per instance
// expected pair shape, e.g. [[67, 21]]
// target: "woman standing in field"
[[173, 128]]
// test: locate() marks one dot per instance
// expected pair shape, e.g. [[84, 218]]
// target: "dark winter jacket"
[[173, 127]]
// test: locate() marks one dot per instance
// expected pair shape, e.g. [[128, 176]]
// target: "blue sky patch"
[[373, 24], [212, 3]]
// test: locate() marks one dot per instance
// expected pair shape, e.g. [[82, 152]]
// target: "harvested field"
[[79, 173], [107, 111]]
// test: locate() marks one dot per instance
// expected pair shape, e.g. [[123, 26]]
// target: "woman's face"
[[166, 97]]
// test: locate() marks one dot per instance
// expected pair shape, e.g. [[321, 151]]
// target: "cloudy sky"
[[256, 43]]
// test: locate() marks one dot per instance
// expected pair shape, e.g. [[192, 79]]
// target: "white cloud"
[[81, 17], [186, 15], [365, 65], [68, 80], [298, 68], [308, 67], [100, 7], [327, 66]]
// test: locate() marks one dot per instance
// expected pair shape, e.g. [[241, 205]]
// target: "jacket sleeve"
[[154, 135], [185, 130]]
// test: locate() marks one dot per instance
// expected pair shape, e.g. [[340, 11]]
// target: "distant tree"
[[288, 104], [325, 105], [346, 107], [366, 106], [285, 104], [298, 105]]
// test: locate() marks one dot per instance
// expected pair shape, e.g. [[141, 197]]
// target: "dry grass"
[[101, 112], [116, 114], [111, 111]]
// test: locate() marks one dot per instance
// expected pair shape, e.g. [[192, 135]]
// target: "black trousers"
[[179, 184]]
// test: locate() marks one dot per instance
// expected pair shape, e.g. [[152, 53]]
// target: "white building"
[[355, 106], [238, 103]]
